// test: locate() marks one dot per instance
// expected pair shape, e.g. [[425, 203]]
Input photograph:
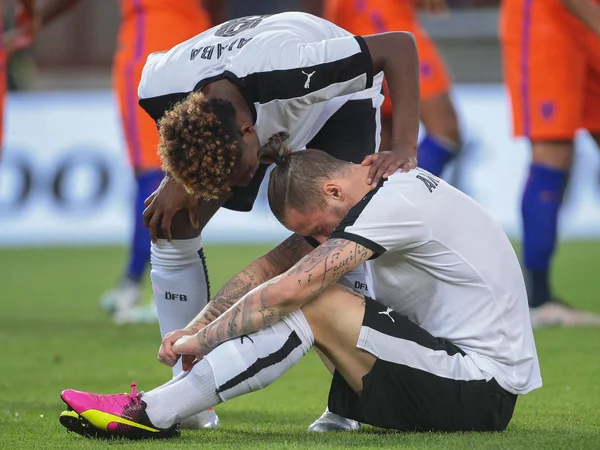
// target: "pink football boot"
[[116, 415]]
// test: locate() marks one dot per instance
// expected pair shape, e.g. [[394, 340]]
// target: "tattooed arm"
[[280, 296], [278, 260]]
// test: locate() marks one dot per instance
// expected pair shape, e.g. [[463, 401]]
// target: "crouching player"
[[444, 344]]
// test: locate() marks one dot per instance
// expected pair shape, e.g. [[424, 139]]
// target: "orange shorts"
[[363, 17], [139, 36], [551, 69]]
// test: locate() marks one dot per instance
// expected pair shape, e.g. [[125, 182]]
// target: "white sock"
[[234, 368], [179, 282], [190, 395]]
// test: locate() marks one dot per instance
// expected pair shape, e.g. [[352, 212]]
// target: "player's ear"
[[246, 129], [333, 191]]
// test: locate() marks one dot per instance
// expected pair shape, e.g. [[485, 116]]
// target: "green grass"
[[54, 336]]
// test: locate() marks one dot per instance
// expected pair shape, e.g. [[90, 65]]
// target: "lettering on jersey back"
[[235, 26], [430, 181], [209, 51]]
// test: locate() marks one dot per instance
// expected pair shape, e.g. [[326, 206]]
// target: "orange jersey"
[[363, 17], [551, 64], [148, 26]]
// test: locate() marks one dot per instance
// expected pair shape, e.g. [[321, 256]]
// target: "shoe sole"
[[74, 423]]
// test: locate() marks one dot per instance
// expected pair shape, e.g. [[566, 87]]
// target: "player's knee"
[[181, 227], [441, 120], [336, 307], [448, 132], [556, 154]]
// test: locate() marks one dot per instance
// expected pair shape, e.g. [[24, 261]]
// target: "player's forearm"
[[256, 310], [277, 261], [396, 55], [286, 293], [249, 278], [586, 11]]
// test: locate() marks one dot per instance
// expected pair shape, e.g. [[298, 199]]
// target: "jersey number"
[[236, 26]]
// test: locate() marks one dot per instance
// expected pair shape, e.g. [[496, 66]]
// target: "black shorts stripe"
[[377, 317], [292, 342]]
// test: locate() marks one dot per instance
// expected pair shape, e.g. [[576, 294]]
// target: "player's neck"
[[226, 90], [358, 182]]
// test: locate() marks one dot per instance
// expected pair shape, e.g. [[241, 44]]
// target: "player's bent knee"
[[557, 154], [181, 227], [440, 118], [336, 310]]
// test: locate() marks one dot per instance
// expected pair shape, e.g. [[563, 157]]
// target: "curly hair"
[[200, 144]]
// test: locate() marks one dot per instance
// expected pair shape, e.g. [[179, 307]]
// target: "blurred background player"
[[551, 53], [12, 42], [146, 26], [438, 115]]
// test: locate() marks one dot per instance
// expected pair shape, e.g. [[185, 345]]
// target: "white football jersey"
[[294, 69], [441, 260]]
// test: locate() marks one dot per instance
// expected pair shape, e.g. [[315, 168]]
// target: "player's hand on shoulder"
[[162, 205], [384, 164], [166, 355]]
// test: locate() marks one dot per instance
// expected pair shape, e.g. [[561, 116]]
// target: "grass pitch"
[[54, 337]]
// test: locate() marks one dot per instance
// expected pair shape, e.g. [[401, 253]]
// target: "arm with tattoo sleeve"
[[282, 295], [277, 261]]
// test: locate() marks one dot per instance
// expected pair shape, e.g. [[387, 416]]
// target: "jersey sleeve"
[[383, 222], [314, 72]]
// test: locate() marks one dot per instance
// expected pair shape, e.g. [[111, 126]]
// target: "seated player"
[[445, 344]]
